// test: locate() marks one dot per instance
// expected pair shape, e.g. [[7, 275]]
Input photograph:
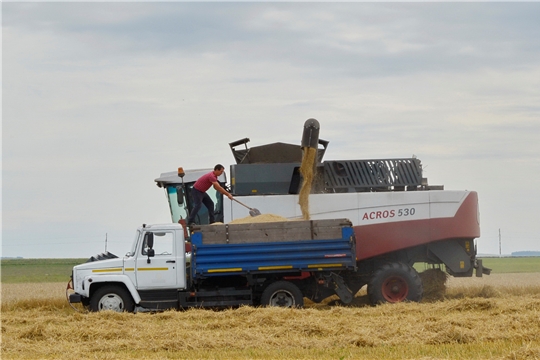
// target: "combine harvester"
[[398, 219]]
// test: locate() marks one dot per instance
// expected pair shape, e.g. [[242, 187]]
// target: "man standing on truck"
[[201, 197]]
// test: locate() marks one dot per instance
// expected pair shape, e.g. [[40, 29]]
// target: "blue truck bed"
[[315, 245]]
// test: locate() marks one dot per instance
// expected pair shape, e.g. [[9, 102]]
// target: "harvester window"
[[177, 203], [181, 209]]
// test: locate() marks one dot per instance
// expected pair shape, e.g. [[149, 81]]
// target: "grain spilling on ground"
[[259, 219], [434, 283], [306, 170]]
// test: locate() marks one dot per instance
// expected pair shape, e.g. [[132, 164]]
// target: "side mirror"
[[149, 239], [150, 244], [179, 195]]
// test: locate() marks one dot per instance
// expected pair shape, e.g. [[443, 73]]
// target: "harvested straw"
[[492, 327], [434, 282], [502, 327]]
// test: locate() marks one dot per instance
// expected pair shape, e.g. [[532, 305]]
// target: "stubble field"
[[493, 317]]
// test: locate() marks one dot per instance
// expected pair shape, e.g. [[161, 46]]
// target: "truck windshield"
[[181, 203], [134, 245]]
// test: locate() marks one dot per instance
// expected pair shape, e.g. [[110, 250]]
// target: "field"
[[513, 265], [59, 270], [37, 270], [493, 317]]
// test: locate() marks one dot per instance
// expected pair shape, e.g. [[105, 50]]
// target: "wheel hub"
[[283, 299], [111, 302], [395, 289]]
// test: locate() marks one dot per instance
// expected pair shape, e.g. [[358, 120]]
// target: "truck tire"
[[283, 294], [394, 282], [112, 297]]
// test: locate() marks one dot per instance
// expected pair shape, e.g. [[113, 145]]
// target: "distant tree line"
[[526, 253]]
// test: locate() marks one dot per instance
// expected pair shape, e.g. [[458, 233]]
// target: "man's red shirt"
[[205, 182]]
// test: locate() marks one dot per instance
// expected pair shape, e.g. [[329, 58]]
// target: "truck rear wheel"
[[395, 282], [113, 298], [283, 294]]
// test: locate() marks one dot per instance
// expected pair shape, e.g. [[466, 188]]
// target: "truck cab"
[[155, 264]]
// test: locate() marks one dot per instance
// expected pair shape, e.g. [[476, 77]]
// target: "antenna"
[[105, 242]]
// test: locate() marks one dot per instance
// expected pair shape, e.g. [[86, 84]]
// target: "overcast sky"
[[98, 99]]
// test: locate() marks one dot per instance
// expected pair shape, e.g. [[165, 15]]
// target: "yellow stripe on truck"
[[224, 270], [106, 270], [284, 267], [323, 265], [129, 269]]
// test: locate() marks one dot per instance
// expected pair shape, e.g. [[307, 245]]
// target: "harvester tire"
[[282, 294], [395, 282], [112, 297]]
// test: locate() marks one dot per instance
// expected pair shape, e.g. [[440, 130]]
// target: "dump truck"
[[225, 265], [400, 221]]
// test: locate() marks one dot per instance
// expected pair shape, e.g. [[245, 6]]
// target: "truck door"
[[160, 270]]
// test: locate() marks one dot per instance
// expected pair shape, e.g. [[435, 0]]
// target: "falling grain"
[[306, 170]]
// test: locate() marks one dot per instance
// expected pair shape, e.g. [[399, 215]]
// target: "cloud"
[[100, 98]]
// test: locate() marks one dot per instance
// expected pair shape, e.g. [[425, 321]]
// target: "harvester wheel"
[[395, 282], [112, 298], [283, 294]]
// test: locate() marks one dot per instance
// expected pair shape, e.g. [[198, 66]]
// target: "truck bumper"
[[75, 298]]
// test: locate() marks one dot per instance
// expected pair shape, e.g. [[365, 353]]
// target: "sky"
[[99, 99]]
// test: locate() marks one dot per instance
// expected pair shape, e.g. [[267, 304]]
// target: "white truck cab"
[[146, 267]]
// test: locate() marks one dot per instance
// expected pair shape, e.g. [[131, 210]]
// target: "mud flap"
[[341, 289]]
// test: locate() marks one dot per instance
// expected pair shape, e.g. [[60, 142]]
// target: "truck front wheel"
[[394, 282], [283, 294], [113, 298]]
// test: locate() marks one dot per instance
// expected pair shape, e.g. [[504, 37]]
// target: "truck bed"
[[278, 247]]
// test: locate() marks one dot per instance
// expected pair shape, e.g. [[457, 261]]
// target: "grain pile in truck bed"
[[259, 219]]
